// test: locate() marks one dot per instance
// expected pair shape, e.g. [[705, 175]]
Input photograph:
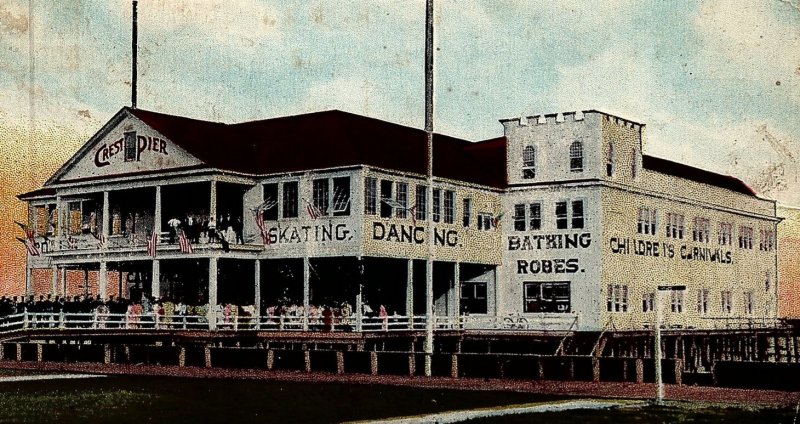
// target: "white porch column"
[[64, 282], [306, 289], [155, 285], [212, 293], [257, 284], [55, 280], [157, 213], [28, 280], [105, 219], [58, 221], [212, 208], [102, 281], [410, 287], [456, 289]]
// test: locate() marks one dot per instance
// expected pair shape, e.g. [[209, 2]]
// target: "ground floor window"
[[473, 298], [547, 297]]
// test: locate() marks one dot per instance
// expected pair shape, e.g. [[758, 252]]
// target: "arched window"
[[610, 160], [576, 157], [634, 164], [529, 162]]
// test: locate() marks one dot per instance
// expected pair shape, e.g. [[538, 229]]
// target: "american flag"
[[262, 229], [30, 245], [151, 244], [183, 241], [313, 211]]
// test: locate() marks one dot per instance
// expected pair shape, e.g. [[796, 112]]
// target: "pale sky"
[[716, 82]]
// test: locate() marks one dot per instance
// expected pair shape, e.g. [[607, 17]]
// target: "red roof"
[[328, 139], [696, 174]]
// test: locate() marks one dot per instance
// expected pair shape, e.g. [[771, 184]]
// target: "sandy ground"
[[560, 388]]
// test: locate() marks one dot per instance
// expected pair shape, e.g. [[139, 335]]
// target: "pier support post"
[[595, 369], [639, 370], [454, 366], [540, 368], [373, 363], [106, 353], [270, 359], [307, 360], [339, 362], [39, 352], [679, 371], [19, 352], [182, 357], [208, 356], [412, 364]]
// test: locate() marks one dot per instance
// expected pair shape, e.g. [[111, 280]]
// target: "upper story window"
[[130, 146], [617, 298], [290, 201], [767, 240], [726, 300], [421, 203], [529, 162], [535, 216], [321, 195], [467, 214], [519, 217], [647, 221], [701, 230], [725, 234], [485, 221], [386, 197], [449, 206], [341, 196], [676, 301], [561, 215], [270, 205], [437, 205], [610, 160], [576, 157], [402, 200], [745, 237], [648, 302], [675, 226], [577, 214], [371, 196], [702, 301]]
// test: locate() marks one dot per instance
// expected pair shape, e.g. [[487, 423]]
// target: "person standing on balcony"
[[212, 229], [174, 224], [238, 226]]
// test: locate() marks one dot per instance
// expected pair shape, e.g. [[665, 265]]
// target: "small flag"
[[152, 243], [496, 220], [313, 211], [262, 229], [30, 245], [183, 241]]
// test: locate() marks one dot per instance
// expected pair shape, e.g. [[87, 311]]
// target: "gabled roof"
[[696, 174], [326, 139]]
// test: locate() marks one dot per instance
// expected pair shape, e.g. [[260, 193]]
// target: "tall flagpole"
[[429, 317], [134, 53]]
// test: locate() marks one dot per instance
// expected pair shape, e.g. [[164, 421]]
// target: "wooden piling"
[[207, 351], [182, 357], [270, 359], [454, 366], [106, 353], [39, 352], [339, 362], [639, 370], [373, 363], [307, 360]]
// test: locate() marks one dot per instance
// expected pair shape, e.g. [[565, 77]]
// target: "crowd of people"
[[205, 229]]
